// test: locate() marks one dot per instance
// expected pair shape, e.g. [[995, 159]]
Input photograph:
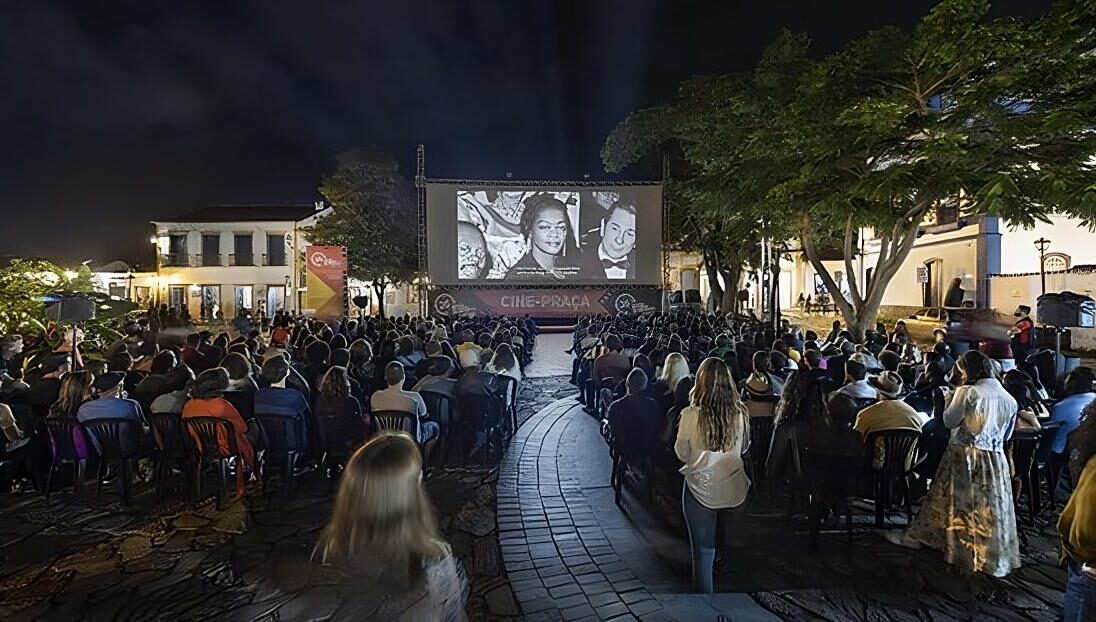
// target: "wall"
[[1066, 235], [1008, 292]]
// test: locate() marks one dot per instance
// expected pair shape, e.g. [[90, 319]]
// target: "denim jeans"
[[1080, 600], [701, 522]]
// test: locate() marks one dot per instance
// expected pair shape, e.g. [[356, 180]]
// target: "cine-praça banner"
[[544, 303], [326, 281]]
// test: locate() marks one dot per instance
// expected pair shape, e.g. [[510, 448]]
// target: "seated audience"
[[635, 419], [394, 397]]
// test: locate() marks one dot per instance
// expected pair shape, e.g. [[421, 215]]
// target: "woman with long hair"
[[336, 399], [383, 529], [711, 436], [1077, 523], [969, 513], [75, 390]]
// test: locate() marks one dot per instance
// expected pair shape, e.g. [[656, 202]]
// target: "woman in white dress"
[[968, 513]]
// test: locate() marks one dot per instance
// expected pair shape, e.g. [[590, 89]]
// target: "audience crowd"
[[722, 405]]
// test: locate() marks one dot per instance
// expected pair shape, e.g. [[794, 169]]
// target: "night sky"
[[115, 113]]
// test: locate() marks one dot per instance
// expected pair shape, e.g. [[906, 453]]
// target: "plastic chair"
[[899, 459], [1023, 447], [283, 436], [761, 435], [63, 450], [484, 412], [116, 440], [397, 420], [207, 434], [171, 448], [509, 388], [443, 410], [242, 401], [339, 436]]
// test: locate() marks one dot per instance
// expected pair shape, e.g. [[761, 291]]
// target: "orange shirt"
[[222, 409]]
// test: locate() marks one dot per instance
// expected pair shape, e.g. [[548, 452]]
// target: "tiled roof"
[[247, 213]]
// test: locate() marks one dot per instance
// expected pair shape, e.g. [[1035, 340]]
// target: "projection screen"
[[544, 235]]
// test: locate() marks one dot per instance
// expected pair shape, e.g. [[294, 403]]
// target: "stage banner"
[[544, 303], [326, 281]]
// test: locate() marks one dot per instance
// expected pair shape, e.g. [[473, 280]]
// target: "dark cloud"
[[117, 113]]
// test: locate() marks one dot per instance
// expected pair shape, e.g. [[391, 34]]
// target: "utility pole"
[[1042, 244]]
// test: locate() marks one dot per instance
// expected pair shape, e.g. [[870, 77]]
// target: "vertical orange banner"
[[326, 281]]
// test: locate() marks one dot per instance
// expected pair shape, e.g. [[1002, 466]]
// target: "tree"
[[880, 132], [374, 215]]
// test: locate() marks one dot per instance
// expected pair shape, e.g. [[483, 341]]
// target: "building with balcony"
[[227, 257]]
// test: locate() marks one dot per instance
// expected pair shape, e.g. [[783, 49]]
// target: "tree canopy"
[[373, 214], [877, 134]]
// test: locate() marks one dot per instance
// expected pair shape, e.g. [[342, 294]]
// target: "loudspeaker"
[[361, 301], [692, 295], [675, 297], [71, 310], [1066, 310]]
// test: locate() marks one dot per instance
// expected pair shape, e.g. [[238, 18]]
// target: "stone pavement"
[[571, 553], [550, 358]]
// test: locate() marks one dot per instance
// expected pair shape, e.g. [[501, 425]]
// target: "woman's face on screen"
[[550, 230]]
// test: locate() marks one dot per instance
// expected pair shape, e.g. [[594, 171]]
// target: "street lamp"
[[1042, 244]]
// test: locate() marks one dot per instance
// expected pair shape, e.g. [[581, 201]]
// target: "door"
[[932, 295], [243, 296], [275, 298], [177, 297], [211, 301]]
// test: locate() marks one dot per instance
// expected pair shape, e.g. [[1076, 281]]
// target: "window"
[[176, 250], [275, 249], [211, 249], [211, 301], [243, 252]]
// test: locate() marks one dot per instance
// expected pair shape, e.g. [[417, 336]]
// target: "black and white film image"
[[546, 236]]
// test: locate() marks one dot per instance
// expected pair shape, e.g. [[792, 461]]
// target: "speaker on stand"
[[72, 309]]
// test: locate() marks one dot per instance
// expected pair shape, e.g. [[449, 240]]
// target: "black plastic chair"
[[63, 450], [1023, 447], [117, 442], [829, 478], [397, 420], [483, 412], [443, 410], [243, 402], [283, 436], [1048, 464], [899, 460], [339, 436], [508, 386], [206, 434], [761, 436], [171, 449]]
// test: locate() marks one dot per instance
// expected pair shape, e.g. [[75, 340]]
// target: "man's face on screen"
[[550, 230], [618, 234]]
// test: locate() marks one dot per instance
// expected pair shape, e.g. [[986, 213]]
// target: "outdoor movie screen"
[[545, 235]]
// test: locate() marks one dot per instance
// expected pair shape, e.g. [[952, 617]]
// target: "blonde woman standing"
[[713, 432], [383, 531]]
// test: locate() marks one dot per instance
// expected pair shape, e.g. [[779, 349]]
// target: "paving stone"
[[566, 589], [571, 601], [644, 607], [611, 610], [581, 612]]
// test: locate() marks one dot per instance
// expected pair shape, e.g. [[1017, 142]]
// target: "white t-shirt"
[[716, 478]]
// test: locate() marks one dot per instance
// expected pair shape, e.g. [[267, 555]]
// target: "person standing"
[[711, 436], [1022, 334], [1077, 524], [969, 513]]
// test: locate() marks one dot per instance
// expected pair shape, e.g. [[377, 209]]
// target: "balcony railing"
[[274, 260], [241, 259], [179, 260], [210, 259]]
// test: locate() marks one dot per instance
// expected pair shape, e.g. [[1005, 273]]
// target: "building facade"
[[221, 259]]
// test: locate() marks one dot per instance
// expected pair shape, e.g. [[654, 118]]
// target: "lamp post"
[[1042, 244]]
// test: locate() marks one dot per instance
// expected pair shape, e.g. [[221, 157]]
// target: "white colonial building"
[[227, 257]]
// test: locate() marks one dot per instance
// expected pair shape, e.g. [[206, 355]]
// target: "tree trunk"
[[711, 265], [730, 288], [379, 286], [774, 291], [895, 246]]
